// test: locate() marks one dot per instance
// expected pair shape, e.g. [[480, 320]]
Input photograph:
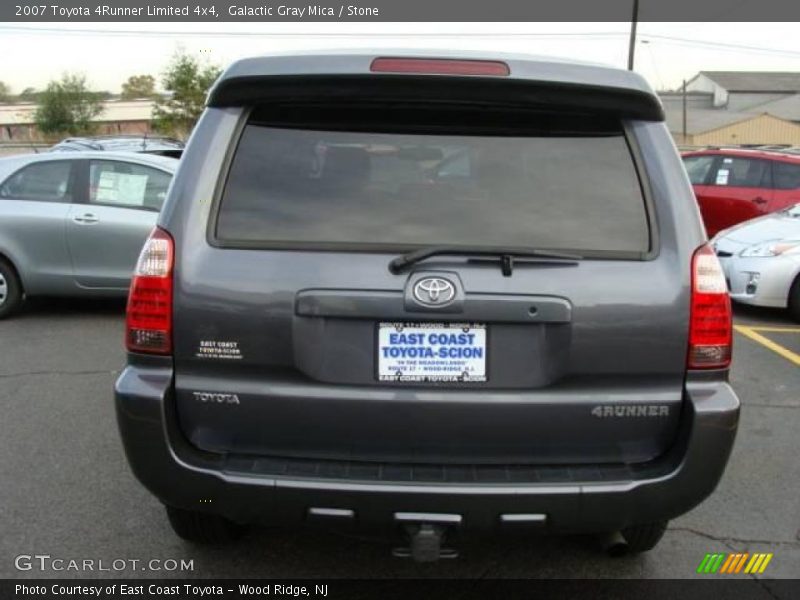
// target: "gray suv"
[[429, 296]]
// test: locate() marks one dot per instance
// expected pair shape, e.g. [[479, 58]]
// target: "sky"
[[108, 53]]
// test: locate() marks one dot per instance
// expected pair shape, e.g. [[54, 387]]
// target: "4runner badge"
[[631, 410]]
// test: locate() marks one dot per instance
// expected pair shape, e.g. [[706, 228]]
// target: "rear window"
[[786, 175], [307, 187], [45, 181], [698, 167]]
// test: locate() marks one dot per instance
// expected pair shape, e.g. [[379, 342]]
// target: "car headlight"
[[768, 249]]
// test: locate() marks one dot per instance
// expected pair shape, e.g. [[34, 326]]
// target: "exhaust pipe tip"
[[614, 544]]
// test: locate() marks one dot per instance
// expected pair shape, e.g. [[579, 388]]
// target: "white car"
[[761, 259]]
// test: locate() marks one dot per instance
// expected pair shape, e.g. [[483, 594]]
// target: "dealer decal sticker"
[[218, 349]]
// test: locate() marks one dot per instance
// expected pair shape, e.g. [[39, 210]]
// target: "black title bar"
[[396, 10], [419, 589]]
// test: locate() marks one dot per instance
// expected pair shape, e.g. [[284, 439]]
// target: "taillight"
[[710, 327], [440, 66], [148, 325]]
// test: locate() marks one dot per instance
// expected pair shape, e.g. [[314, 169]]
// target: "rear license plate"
[[454, 352]]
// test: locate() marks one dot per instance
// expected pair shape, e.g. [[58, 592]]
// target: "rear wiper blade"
[[505, 254]]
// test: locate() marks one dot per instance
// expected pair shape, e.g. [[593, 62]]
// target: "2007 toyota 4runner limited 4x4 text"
[[430, 297]]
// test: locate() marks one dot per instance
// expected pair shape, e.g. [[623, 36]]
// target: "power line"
[[156, 33], [720, 45], [589, 35]]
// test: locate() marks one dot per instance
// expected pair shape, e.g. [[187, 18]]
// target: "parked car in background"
[[736, 185], [147, 144], [761, 259], [431, 296], [73, 224]]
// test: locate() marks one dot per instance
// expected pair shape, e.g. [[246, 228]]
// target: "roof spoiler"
[[521, 93]]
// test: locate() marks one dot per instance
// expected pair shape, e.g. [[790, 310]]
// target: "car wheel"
[[641, 538], [203, 528], [10, 289], [794, 299]]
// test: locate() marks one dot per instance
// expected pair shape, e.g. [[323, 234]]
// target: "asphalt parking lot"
[[67, 491]]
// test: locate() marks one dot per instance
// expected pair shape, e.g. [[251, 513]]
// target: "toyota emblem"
[[434, 291]]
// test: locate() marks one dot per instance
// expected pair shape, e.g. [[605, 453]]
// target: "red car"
[[735, 185]]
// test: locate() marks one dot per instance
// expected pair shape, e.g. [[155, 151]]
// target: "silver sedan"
[[73, 224], [761, 259]]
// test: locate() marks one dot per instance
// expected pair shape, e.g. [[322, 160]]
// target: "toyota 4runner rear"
[[432, 296]]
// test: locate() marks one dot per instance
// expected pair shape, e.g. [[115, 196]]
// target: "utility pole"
[[684, 111], [632, 43]]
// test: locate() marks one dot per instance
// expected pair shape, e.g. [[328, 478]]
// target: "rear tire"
[[794, 299], [641, 538], [10, 289], [203, 528]]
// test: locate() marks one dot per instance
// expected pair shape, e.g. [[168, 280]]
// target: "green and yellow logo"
[[736, 562]]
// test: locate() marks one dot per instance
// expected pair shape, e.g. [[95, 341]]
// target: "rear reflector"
[[710, 328], [149, 316], [438, 66]]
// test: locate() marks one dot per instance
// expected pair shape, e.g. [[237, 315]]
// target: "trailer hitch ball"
[[425, 543]]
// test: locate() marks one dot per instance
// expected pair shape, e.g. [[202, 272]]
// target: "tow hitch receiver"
[[425, 534]]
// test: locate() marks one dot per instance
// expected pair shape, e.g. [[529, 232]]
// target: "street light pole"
[[632, 43], [684, 111]]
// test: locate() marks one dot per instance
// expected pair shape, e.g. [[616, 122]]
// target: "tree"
[[139, 86], [29, 94], [187, 82], [5, 92], [67, 106]]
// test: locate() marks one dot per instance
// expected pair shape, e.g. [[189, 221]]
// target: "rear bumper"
[[581, 499]]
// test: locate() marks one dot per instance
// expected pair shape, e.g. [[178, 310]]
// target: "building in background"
[[118, 117], [735, 108]]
